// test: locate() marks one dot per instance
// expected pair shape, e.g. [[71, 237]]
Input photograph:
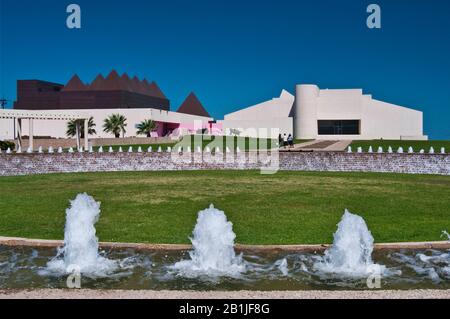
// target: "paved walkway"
[[177, 294], [319, 146]]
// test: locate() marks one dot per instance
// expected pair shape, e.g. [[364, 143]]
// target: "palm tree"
[[146, 127], [72, 127], [115, 124]]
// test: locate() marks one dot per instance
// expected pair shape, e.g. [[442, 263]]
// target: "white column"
[[31, 133], [305, 120], [19, 133], [86, 134], [77, 133]]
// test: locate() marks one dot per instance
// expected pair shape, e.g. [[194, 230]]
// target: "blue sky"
[[236, 53]]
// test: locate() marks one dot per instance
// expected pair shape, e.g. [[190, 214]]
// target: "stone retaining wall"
[[29, 164]]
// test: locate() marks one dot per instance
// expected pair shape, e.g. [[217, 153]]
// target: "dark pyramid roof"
[[156, 91], [113, 82], [98, 84], [135, 84], [75, 84], [126, 82], [144, 87], [193, 106]]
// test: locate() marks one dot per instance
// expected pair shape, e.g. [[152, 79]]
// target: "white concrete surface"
[[300, 114]]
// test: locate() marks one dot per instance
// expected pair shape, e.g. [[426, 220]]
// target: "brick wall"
[[28, 164]]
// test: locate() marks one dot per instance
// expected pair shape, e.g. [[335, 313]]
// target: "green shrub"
[[4, 145]]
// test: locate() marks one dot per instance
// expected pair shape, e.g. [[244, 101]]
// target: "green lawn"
[[395, 144], [286, 208], [243, 143]]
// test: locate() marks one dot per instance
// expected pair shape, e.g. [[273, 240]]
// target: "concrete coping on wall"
[[41, 243]]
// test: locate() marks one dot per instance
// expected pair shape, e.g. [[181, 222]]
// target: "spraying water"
[[213, 243], [80, 248], [351, 252]]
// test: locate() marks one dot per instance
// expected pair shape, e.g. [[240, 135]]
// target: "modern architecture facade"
[[313, 113], [136, 100]]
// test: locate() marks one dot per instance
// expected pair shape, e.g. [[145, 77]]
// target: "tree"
[[72, 127], [146, 127], [115, 124]]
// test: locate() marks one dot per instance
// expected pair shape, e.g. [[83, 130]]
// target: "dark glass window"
[[338, 127]]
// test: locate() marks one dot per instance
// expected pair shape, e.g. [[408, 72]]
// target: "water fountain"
[[359, 150], [120, 149], [431, 264], [139, 149], [282, 266], [422, 151], [159, 149], [189, 150], [110, 150], [390, 151], [349, 149], [130, 149], [71, 150], [238, 150], [50, 150], [199, 149], [80, 248], [60, 150], [442, 150], [380, 150], [410, 150], [149, 149], [370, 149], [207, 149], [8, 151], [100, 149], [91, 149], [29, 150], [400, 150], [351, 252], [169, 149], [213, 244], [431, 150], [40, 150], [180, 149], [228, 150]]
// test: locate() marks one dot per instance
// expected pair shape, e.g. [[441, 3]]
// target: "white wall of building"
[[263, 120], [379, 120], [299, 114], [57, 129]]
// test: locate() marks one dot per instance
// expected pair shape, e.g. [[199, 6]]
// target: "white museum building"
[[314, 113]]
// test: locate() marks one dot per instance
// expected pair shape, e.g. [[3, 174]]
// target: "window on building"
[[339, 127]]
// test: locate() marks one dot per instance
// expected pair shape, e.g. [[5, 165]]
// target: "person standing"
[[285, 140], [290, 140]]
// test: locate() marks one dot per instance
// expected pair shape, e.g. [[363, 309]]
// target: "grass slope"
[[286, 208]]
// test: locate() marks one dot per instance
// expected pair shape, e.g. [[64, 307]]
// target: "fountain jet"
[[213, 243], [80, 250]]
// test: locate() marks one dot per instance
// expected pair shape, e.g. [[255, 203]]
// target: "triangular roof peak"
[[193, 106], [156, 91], [286, 95], [113, 81], [98, 83], [75, 84]]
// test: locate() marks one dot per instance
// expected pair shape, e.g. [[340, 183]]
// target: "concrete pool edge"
[[243, 294], [41, 243]]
